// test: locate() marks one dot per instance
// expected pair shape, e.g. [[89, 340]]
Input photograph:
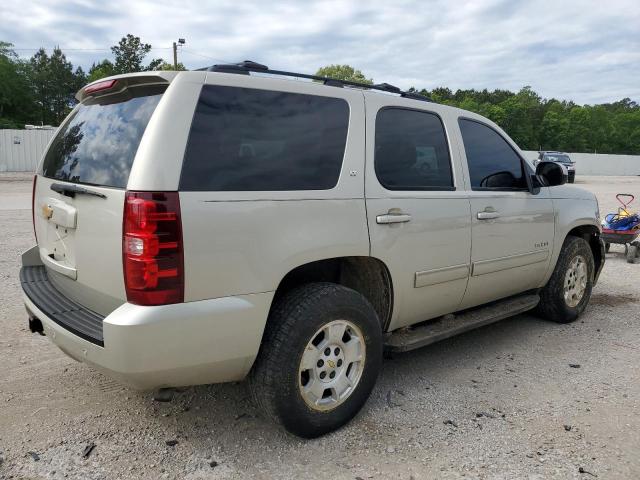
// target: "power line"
[[79, 49], [205, 56]]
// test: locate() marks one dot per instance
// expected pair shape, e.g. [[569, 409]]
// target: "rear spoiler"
[[118, 83]]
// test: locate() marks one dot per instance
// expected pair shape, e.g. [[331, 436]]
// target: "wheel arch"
[[366, 275], [591, 234]]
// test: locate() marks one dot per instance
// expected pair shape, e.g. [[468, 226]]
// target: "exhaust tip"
[[35, 325]]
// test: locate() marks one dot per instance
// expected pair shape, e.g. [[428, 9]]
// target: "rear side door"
[[418, 215], [512, 229]]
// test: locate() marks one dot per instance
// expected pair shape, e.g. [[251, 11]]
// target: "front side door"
[[419, 221], [512, 229]]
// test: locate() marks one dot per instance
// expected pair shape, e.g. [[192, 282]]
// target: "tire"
[[607, 247], [633, 252], [562, 306], [297, 330]]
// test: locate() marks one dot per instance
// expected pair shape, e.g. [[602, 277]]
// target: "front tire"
[[567, 293], [319, 360]]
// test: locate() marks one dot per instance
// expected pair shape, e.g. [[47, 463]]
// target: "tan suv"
[[206, 226]]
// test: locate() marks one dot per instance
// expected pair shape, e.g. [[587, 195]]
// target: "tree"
[[344, 72], [523, 116], [129, 55], [40, 81], [100, 70], [63, 85], [42, 88], [16, 98], [54, 84], [169, 66]]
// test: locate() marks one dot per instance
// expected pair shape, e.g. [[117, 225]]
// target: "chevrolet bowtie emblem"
[[47, 211]]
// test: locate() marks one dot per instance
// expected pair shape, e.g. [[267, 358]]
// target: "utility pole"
[[181, 41], [175, 56]]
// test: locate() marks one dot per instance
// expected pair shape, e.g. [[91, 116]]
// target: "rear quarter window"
[[97, 145], [246, 139]]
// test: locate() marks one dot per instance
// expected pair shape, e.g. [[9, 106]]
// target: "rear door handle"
[[393, 218], [488, 214]]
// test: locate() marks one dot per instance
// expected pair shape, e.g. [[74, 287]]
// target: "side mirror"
[[551, 174]]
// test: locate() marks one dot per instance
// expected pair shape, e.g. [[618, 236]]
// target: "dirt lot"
[[500, 402]]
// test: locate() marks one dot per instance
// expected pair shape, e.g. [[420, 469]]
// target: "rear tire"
[[319, 360], [567, 293]]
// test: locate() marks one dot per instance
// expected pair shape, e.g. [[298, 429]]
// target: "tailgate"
[[80, 191]]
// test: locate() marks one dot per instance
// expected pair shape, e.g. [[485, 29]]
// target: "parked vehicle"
[[206, 226], [561, 158]]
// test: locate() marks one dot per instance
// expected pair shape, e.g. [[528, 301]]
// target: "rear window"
[[245, 139], [99, 142]]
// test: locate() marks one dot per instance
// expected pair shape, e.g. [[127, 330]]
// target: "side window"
[[411, 151], [245, 139], [493, 164]]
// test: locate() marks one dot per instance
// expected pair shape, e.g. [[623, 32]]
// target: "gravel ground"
[[504, 401]]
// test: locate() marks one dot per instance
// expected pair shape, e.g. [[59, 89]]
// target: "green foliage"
[[129, 55], [100, 70], [53, 84], [169, 66], [16, 97], [42, 89], [344, 72], [537, 123]]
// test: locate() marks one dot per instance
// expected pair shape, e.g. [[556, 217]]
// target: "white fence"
[[20, 150], [600, 164]]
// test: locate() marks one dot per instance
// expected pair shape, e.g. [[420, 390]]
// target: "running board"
[[406, 339]]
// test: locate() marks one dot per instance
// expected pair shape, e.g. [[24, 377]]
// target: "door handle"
[[488, 214], [393, 218]]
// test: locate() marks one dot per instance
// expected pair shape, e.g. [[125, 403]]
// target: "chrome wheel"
[[331, 365], [575, 281]]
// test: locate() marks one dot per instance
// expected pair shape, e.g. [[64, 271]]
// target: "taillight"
[[33, 205], [152, 248], [98, 87]]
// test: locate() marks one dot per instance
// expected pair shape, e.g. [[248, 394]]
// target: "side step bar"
[[406, 339]]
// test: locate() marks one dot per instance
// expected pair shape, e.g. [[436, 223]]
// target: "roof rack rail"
[[248, 66], [415, 96]]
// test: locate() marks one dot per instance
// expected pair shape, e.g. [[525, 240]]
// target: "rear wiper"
[[73, 190]]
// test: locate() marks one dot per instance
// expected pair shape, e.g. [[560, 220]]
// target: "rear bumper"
[[192, 343]]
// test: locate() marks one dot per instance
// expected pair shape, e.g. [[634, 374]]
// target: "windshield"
[[557, 158], [98, 144]]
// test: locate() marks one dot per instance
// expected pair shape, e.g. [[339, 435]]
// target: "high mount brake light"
[[98, 87], [152, 248]]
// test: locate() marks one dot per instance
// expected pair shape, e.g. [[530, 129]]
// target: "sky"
[[586, 51]]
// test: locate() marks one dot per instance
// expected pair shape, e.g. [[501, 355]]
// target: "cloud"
[[585, 51]]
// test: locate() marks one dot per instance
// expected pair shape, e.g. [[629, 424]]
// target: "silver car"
[[234, 222]]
